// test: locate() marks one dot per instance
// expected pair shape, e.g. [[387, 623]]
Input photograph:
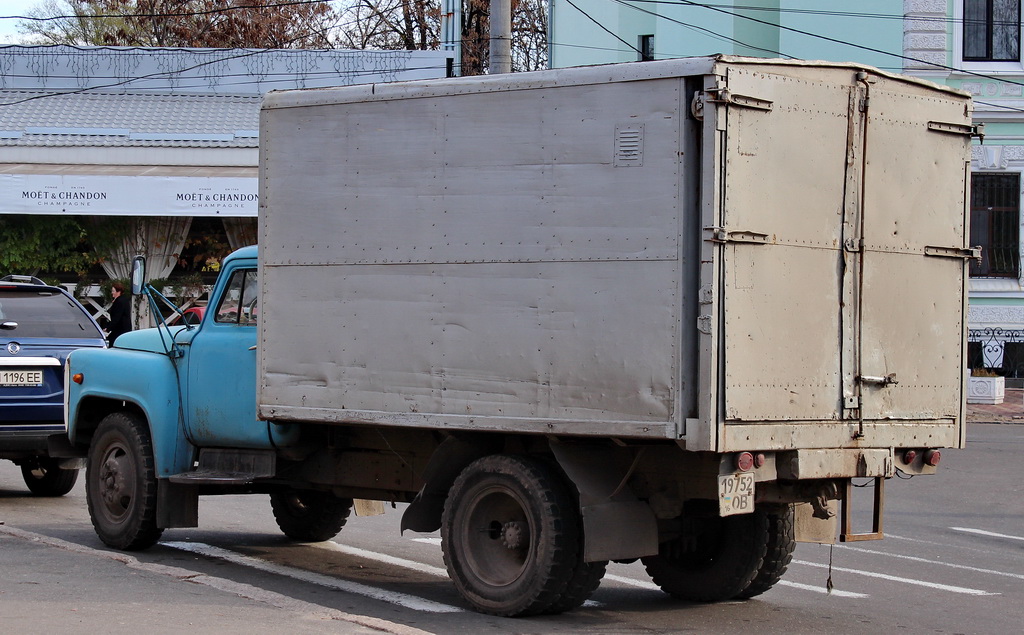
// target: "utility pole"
[[501, 37]]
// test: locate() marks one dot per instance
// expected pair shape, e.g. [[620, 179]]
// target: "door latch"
[[888, 380]]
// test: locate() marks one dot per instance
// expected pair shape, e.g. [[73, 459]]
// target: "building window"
[[995, 224], [992, 30], [646, 48]]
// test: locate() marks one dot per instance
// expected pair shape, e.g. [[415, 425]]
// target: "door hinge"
[[969, 253], [966, 130], [724, 235], [726, 96]]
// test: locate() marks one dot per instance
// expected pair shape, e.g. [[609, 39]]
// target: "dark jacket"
[[120, 317]]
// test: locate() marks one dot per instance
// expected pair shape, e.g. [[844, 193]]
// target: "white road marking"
[[647, 584], [823, 590], [947, 545], [952, 565], [383, 557], [400, 599], [643, 584], [982, 532], [246, 591], [883, 576]]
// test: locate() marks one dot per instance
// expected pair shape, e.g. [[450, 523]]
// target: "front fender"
[[117, 379]]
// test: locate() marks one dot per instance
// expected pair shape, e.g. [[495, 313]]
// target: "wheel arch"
[[141, 383], [617, 525]]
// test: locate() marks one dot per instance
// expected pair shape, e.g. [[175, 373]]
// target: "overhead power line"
[[719, 9]]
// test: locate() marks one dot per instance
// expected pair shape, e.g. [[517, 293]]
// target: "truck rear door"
[[836, 261]]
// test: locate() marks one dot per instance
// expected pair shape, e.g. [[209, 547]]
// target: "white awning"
[[129, 191]]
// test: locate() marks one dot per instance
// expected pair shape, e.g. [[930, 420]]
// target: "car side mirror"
[[138, 274]]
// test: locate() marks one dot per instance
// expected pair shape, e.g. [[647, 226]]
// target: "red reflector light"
[[744, 461], [78, 378], [932, 457], [909, 456], [759, 459]]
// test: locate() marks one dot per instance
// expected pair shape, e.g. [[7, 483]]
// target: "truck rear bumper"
[[740, 436], [834, 463]]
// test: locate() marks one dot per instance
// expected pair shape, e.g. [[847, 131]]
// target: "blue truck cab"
[[144, 411]]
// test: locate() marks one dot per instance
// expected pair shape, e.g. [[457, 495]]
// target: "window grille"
[[995, 224]]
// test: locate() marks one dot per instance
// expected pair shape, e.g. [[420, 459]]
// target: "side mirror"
[[138, 274]]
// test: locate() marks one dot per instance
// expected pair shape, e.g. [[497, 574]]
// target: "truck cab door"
[[220, 409]]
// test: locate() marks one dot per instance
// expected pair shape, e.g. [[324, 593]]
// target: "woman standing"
[[120, 313]]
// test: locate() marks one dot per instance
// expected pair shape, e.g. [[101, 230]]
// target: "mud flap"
[[454, 453], [176, 505], [616, 524]]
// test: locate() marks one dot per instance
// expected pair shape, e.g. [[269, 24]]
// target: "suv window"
[[45, 314]]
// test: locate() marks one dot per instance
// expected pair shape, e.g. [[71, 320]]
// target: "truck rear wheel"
[[779, 553], [309, 515], [714, 559], [44, 477], [510, 537], [120, 483]]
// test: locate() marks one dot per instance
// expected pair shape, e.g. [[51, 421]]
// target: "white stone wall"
[[925, 35]]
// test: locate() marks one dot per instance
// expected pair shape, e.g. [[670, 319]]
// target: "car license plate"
[[736, 493], [21, 378]]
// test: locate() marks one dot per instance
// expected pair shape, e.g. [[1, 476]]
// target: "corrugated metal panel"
[[46, 118]]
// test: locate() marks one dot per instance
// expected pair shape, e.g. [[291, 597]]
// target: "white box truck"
[[665, 310]]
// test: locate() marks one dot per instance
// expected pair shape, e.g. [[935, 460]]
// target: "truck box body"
[[731, 253], [665, 310]]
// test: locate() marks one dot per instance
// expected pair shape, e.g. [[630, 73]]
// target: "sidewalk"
[[1010, 411]]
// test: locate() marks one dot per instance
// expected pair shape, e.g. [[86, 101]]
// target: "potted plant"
[[985, 386]]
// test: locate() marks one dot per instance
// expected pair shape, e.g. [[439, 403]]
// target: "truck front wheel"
[[120, 483], [510, 537], [713, 558], [308, 515], [44, 477]]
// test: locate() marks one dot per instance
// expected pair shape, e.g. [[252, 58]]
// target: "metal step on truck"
[[665, 311]]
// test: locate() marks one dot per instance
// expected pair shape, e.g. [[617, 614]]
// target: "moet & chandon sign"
[[128, 195]]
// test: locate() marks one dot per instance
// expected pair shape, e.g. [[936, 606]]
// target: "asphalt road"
[[952, 562]]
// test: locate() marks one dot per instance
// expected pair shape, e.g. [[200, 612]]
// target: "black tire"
[[585, 579], [310, 516], [120, 483], [779, 552], [45, 477], [714, 559], [510, 536]]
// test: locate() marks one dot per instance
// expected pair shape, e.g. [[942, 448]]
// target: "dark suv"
[[39, 326]]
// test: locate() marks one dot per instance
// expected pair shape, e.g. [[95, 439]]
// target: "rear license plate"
[[21, 378], [736, 493]]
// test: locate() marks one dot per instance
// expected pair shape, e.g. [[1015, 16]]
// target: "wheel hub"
[[112, 478], [513, 535]]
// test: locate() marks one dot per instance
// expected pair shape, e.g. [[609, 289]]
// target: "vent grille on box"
[[629, 146]]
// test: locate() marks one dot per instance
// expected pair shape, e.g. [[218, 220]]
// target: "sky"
[[8, 33]]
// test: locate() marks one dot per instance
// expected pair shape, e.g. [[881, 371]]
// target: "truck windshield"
[[238, 304]]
